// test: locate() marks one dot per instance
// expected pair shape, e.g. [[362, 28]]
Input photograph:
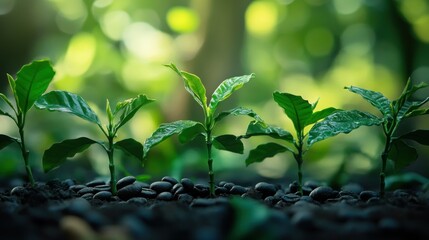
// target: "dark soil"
[[171, 209]]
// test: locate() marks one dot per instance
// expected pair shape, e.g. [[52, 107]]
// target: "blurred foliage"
[[313, 48]]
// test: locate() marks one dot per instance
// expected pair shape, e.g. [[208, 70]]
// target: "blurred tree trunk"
[[222, 33]]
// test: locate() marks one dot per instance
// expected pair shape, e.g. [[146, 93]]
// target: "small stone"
[[165, 196], [269, 200], [294, 187], [187, 184], [353, 188], [237, 190], [306, 190], [100, 188], [322, 193], [228, 185], [103, 195], [161, 186], [373, 200], [365, 195], [85, 190], [169, 179], [125, 181], [148, 193], [220, 190], [95, 183], [130, 191], [87, 196], [176, 187], [221, 183], [201, 190], [69, 182], [185, 198], [266, 188], [18, 191], [76, 188], [290, 198], [137, 200], [311, 184]]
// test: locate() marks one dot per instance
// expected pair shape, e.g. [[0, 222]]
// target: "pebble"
[[125, 181], [266, 188], [18, 191], [228, 186], [220, 190], [366, 195], [270, 200], [201, 190], [237, 190], [69, 182], [76, 188], [322, 193], [373, 200], [148, 193], [165, 196], [161, 186], [178, 191], [103, 195], [169, 179], [87, 196], [222, 183], [85, 190], [293, 187], [95, 183], [290, 198], [137, 200], [306, 190], [176, 187], [130, 191], [187, 184], [185, 198], [100, 188], [311, 184]]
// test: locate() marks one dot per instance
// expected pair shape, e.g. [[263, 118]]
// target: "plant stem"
[[210, 163], [111, 166], [25, 154], [384, 156], [299, 160]]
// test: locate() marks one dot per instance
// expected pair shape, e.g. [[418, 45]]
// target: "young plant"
[[302, 114], [62, 101], [31, 82], [393, 113], [188, 130]]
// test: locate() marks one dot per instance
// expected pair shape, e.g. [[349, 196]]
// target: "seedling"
[[31, 82], [302, 114], [188, 130], [393, 113], [62, 101]]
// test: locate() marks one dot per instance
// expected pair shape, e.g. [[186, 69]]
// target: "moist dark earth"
[[181, 209]]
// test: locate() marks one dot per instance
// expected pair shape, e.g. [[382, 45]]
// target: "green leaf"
[[32, 81], [193, 85], [376, 99], [226, 88], [59, 152], [296, 108], [417, 112], [131, 147], [6, 100], [265, 151], [420, 136], [109, 112], [259, 129], [12, 85], [6, 140], [229, 143], [165, 131], [62, 101], [129, 108], [408, 107], [340, 122], [319, 115], [402, 154], [190, 133], [238, 111]]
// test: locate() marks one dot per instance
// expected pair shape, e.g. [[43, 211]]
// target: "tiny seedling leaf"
[[165, 131], [229, 143], [376, 99], [190, 133], [420, 136], [32, 81], [131, 147], [62, 101], [265, 151], [193, 85], [12, 85], [238, 111], [402, 154], [340, 122], [417, 112], [59, 152], [408, 107], [226, 88], [296, 108], [319, 115], [260, 129], [6, 140], [130, 107]]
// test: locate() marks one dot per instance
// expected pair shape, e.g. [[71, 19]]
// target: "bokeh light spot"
[[113, 23], [347, 7], [182, 19], [319, 42], [261, 18]]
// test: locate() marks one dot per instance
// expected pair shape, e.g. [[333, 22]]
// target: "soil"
[[172, 209]]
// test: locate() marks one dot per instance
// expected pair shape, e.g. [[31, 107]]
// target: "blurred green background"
[[116, 49]]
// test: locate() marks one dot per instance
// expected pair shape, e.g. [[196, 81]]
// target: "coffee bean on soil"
[[76, 188], [100, 188], [201, 190], [95, 183], [322, 193], [187, 184], [290, 198], [228, 185], [85, 191], [69, 182], [176, 187], [148, 193], [130, 191], [220, 190], [161, 186], [87, 196], [165, 196], [169, 179], [103, 195], [125, 181], [311, 184], [365, 195], [266, 188], [18, 191], [137, 200], [237, 190], [294, 187]]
